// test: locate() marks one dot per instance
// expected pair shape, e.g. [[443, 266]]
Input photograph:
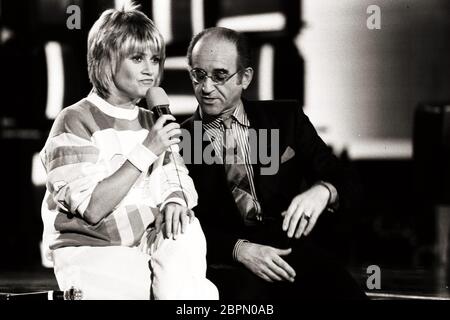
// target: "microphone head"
[[156, 96]]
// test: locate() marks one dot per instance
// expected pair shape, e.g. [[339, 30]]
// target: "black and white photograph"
[[261, 152]]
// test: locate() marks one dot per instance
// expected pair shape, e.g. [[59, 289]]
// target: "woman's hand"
[[161, 137], [176, 218]]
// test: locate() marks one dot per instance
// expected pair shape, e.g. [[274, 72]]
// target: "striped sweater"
[[88, 142]]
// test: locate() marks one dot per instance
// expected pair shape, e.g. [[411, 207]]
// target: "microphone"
[[158, 102]]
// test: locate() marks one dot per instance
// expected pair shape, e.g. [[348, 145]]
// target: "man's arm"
[[326, 173], [320, 164]]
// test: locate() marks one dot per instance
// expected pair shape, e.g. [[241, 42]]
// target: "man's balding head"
[[224, 34]]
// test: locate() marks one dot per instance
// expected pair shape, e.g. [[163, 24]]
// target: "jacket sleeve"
[[71, 162], [319, 161], [220, 245]]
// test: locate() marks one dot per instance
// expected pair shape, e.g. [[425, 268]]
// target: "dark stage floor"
[[418, 284]]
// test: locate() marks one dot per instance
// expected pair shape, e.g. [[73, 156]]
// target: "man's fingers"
[[288, 215], [287, 269], [311, 223], [271, 274], [294, 222], [264, 277], [280, 272], [301, 226], [280, 267], [283, 252], [292, 207]]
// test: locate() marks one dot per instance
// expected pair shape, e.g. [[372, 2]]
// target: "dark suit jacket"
[[313, 161]]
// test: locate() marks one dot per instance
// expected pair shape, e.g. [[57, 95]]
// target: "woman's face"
[[137, 72]]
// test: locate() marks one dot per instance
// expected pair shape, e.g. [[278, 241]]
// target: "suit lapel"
[[260, 118]]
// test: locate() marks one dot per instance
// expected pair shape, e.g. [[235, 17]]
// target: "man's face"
[[212, 56]]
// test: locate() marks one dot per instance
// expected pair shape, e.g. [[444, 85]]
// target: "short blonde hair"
[[116, 34]]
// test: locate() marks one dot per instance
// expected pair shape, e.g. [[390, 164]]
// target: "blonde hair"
[[116, 34]]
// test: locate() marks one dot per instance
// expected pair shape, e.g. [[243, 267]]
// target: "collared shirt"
[[239, 128]]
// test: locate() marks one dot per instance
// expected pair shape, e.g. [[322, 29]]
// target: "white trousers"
[[159, 268]]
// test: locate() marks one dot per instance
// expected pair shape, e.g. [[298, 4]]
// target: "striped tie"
[[236, 173]]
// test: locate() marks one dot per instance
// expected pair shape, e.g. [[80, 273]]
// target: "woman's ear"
[[247, 77]]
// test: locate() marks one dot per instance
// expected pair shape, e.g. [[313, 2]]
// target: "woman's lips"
[[146, 82]]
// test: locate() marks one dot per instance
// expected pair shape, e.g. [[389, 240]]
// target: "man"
[[256, 219]]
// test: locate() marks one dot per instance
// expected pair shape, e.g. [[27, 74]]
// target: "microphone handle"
[[160, 110], [163, 109]]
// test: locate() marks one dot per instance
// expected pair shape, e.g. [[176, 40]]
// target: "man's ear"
[[247, 76]]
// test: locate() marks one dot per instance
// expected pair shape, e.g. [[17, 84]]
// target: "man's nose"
[[207, 85]]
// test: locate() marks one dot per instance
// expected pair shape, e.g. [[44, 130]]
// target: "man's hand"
[[266, 262], [174, 216], [304, 210]]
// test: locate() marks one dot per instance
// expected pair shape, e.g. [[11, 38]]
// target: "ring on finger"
[[306, 217]]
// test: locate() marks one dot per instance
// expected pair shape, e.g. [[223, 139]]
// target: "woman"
[[117, 218]]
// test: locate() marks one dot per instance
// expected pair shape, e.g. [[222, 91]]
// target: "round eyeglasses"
[[219, 77]]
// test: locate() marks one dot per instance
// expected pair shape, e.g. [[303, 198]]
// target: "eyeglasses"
[[219, 77]]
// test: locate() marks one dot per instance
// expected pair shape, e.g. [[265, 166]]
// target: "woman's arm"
[[78, 182], [110, 191]]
